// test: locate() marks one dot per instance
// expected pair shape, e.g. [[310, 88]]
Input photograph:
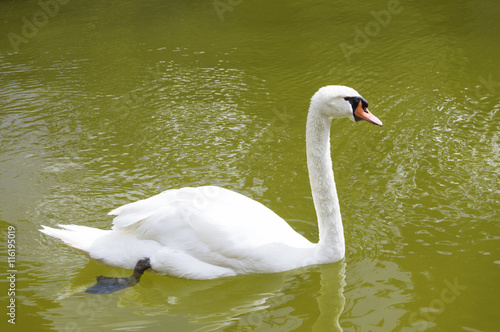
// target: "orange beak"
[[364, 114]]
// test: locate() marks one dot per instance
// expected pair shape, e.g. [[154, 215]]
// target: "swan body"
[[210, 232]]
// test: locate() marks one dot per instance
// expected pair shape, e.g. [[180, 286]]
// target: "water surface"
[[105, 103]]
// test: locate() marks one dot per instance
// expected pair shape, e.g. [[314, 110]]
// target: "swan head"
[[338, 101]]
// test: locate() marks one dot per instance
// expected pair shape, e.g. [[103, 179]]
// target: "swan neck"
[[324, 193]]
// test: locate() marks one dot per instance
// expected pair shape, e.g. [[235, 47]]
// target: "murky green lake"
[[106, 102]]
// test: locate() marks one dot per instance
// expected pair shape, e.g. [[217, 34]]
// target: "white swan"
[[210, 232]]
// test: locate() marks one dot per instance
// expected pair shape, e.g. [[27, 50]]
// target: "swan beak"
[[364, 114]]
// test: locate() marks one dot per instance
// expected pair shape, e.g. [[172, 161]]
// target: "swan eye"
[[354, 101]]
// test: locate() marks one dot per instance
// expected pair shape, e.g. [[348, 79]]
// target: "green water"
[[106, 102]]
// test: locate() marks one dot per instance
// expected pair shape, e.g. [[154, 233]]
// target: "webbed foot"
[[107, 285]]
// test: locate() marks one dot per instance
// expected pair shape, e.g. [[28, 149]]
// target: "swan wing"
[[206, 220]]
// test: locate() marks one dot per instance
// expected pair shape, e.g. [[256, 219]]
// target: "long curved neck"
[[326, 202]]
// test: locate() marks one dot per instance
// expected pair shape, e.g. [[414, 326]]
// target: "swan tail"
[[78, 237]]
